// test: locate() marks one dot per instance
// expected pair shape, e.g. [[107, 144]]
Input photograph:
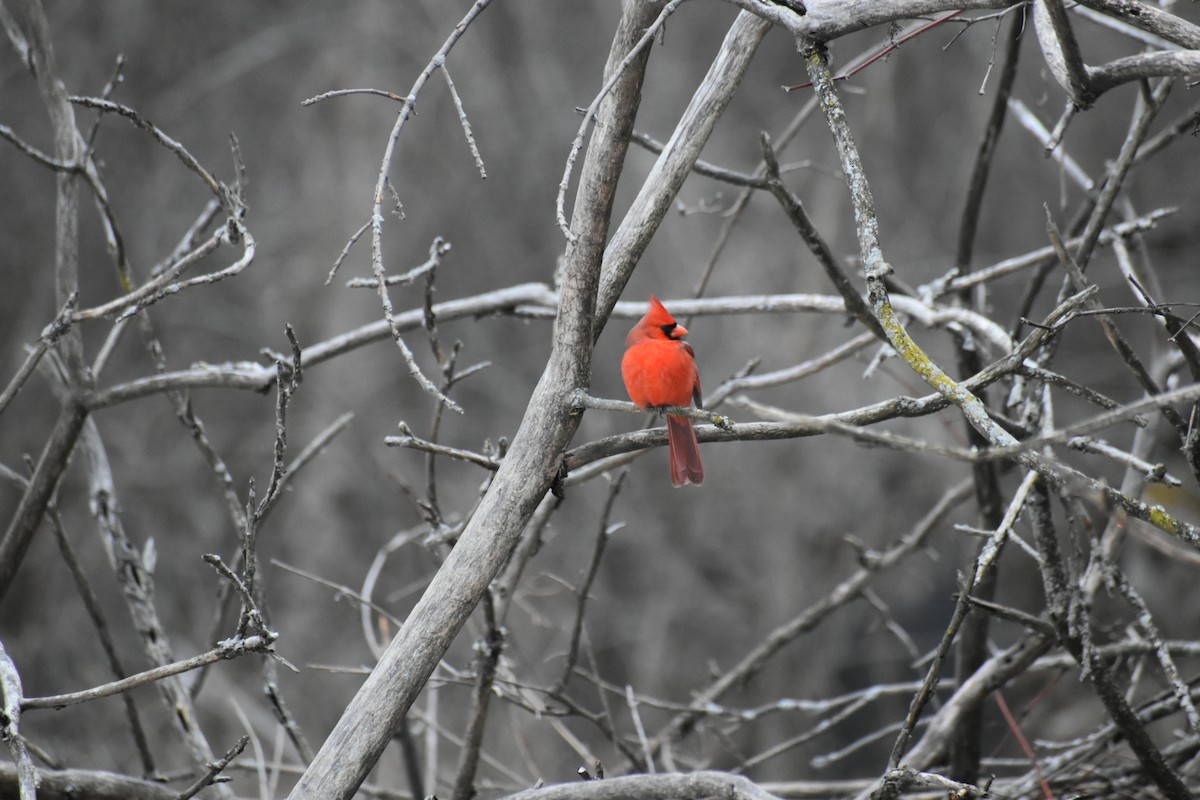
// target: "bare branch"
[[653, 787], [337, 262], [32, 508], [227, 198], [10, 726], [997, 671], [877, 269], [638, 52], [1063, 603], [529, 468], [462, 117], [1152, 18], [809, 619], [1061, 50], [437, 249], [825, 22], [156, 288], [37, 155], [229, 648], [408, 439], [95, 611], [44, 342], [214, 769], [816, 244], [1143, 66], [675, 163], [604, 530], [487, 658], [68, 784]]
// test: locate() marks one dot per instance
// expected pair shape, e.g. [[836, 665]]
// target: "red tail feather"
[[685, 452]]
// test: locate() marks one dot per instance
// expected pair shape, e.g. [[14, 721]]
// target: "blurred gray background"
[[696, 576]]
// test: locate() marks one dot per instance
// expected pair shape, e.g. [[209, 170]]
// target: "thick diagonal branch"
[[367, 724]]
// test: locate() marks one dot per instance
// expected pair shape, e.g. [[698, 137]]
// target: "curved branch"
[[1061, 50], [1143, 66], [71, 784], [381, 186], [825, 22], [1150, 18], [220, 190], [653, 787]]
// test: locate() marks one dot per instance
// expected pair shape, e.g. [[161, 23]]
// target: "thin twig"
[[221, 191], [214, 769], [49, 336], [583, 590], [1111, 332], [437, 249], [1145, 622], [440, 63], [92, 603], [408, 439], [590, 113], [230, 648], [815, 242], [929, 685], [488, 656], [341, 589], [337, 262], [1065, 608]]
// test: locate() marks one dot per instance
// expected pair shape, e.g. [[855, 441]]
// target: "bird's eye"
[[668, 329]]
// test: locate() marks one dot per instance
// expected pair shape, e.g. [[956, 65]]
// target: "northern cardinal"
[[659, 369]]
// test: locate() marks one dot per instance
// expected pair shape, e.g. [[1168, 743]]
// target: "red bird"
[[659, 369]]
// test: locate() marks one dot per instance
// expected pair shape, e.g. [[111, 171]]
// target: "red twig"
[[1015, 728], [891, 47]]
